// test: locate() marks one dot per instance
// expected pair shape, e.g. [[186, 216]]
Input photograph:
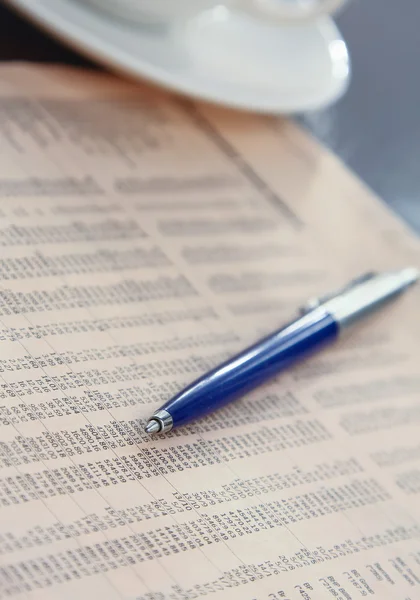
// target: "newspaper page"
[[144, 239]]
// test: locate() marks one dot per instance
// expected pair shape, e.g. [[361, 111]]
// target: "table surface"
[[374, 128]]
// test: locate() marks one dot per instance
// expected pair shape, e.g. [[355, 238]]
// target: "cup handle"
[[280, 11]]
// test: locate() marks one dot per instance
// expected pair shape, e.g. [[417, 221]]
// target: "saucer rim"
[[107, 56]]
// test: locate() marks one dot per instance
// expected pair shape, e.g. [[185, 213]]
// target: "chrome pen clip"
[[314, 303]]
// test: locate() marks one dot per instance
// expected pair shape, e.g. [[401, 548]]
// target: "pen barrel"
[[252, 367]]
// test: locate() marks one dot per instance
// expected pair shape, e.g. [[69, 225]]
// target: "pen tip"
[[152, 426]]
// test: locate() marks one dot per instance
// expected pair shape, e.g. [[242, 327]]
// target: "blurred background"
[[375, 128]]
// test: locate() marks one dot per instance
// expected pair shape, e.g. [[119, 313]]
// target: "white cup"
[[166, 11]]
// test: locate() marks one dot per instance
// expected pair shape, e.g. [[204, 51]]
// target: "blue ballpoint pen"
[[320, 322]]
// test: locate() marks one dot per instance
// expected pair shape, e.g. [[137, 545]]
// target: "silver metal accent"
[[365, 296], [316, 302], [162, 419]]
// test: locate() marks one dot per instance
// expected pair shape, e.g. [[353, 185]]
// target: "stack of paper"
[[143, 240]]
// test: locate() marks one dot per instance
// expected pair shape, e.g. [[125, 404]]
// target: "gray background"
[[375, 128]]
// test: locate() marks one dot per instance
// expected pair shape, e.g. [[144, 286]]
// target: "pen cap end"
[[410, 276], [369, 295]]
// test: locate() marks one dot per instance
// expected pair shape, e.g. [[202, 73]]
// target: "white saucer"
[[219, 57]]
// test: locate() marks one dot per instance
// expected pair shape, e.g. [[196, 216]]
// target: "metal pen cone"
[[153, 426]]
